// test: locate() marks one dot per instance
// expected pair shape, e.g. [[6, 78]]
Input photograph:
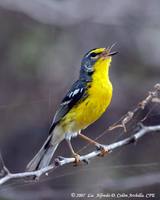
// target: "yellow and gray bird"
[[84, 103]]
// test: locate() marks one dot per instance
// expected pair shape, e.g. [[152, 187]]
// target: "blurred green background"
[[41, 46]]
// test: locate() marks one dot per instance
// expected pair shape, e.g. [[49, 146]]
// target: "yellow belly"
[[88, 111]]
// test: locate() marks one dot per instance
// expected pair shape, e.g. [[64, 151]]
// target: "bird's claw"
[[77, 159], [102, 149]]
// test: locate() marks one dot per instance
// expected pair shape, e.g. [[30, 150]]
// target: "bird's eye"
[[93, 54]]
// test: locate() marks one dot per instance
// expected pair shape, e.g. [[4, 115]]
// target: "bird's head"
[[94, 57]]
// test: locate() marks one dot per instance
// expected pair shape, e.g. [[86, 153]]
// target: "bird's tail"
[[44, 155]]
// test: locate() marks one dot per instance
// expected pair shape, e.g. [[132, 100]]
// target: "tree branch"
[[126, 122], [60, 161]]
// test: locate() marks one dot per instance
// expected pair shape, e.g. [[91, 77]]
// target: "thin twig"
[[138, 114]]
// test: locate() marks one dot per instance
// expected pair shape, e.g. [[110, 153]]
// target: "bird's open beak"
[[112, 53], [106, 53], [108, 50]]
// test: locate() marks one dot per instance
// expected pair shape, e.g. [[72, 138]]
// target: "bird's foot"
[[77, 159], [103, 150]]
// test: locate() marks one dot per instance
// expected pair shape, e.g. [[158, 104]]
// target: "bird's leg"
[[91, 141], [75, 155]]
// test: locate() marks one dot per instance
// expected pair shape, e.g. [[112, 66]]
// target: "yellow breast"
[[99, 97]]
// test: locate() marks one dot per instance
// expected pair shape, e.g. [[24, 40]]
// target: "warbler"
[[83, 104]]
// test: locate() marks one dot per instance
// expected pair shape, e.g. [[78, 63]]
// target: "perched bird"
[[84, 103]]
